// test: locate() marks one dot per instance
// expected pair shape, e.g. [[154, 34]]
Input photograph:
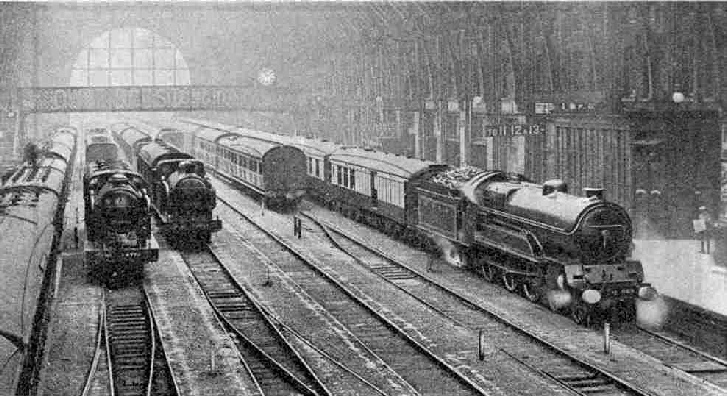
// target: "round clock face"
[[266, 76]]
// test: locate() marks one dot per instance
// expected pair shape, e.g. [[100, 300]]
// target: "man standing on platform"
[[703, 228]]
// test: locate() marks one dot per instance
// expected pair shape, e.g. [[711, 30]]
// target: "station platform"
[[678, 270], [693, 287]]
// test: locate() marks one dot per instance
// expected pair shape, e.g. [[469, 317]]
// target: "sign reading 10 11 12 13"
[[514, 129]]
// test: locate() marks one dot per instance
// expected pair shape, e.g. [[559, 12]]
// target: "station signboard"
[[156, 98]]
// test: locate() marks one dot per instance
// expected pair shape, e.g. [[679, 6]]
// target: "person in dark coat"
[[704, 230], [31, 154]]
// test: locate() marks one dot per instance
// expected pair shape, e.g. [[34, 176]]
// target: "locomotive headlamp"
[[647, 293], [591, 296]]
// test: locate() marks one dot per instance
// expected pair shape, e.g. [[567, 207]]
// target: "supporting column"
[[416, 131], [463, 126], [439, 134]]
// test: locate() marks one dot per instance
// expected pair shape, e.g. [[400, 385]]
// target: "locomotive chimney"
[[552, 186], [594, 192]]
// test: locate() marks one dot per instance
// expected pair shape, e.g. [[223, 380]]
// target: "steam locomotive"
[[118, 222], [568, 252], [181, 193]]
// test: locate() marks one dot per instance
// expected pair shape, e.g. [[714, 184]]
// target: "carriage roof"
[[378, 161], [155, 152]]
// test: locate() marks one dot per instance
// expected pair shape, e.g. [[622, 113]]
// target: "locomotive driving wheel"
[[489, 272], [510, 281], [533, 289]]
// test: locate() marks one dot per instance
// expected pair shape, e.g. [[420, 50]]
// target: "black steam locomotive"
[[181, 192], [569, 252], [118, 222]]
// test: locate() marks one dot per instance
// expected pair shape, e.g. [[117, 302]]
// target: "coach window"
[[318, 168], [310, 165], [352, 181]]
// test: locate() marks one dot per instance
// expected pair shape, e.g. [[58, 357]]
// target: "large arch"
[[129, 56]]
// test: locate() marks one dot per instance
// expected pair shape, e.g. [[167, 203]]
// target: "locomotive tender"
[[32, 200], [568, 252], [181, 193]]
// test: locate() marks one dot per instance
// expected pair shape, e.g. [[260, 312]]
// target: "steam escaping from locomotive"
[[652, 313], [449, 252], [559, 299]]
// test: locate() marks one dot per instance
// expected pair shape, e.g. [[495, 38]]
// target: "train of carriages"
[[568, 252], [32, 201]]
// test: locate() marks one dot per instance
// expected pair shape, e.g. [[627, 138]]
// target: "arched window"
[[131, 56]]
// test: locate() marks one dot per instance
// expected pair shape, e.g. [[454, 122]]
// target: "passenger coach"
[[101, 146], [131, 139], [274, 171]]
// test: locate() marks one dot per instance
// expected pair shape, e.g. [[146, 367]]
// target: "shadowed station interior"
[[375, 197]]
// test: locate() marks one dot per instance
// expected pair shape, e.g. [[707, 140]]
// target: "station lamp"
[[677, 97]]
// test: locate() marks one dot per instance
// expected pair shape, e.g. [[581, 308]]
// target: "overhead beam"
[[163, 98]]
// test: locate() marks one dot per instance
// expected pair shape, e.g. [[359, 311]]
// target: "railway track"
[[275, 364], [674, 353], [533, 352], [127, 361], [671, 352], [418, 366]]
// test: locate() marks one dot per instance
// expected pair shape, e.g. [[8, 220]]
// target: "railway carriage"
[[271, 170], [32, 199], [376, 187], [175, 134], [131, 139], [101, 146], [181, 193]]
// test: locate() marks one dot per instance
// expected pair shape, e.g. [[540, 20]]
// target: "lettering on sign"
[[165, 98], [51, 99], [514, 129], [126, 98], [135, 98]]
